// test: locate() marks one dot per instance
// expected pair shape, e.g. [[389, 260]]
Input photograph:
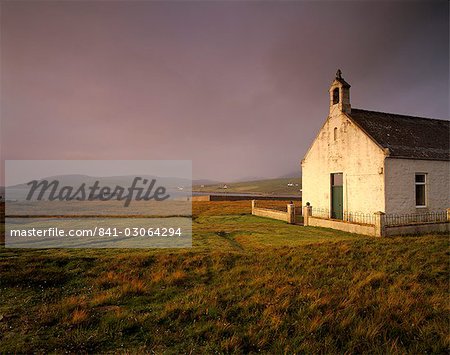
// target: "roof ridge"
[[406, 136], [401, 115]]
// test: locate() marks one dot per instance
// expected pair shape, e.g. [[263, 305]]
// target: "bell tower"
[[339, 95]]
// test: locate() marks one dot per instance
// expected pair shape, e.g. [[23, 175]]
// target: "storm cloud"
[[241, 88]]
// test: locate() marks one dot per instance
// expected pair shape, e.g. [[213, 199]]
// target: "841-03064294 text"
[[99, 232]]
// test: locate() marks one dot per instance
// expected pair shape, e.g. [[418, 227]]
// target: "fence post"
[[253, 206], [291, 213], [380, 230], [448, 214], [307, 212]]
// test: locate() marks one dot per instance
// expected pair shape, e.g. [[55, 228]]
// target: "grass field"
[[248, 285], [270, 186]]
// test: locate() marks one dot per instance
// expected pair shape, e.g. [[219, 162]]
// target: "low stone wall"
[[288, 216], [274, 214], [379, 228], [342, 226], [417, 229]]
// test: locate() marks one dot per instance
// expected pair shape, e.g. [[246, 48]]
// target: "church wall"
[[355, 155], [400, 185]]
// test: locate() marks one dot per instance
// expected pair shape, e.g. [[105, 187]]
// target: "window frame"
[[424, 184]]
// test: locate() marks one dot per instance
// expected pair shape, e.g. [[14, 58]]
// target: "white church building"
[[367, 161]]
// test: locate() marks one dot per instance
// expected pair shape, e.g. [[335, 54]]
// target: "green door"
[[337, 197]]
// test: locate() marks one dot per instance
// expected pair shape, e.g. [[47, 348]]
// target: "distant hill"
[[205, 182], [293, 174], [283, 186], [249, 178]]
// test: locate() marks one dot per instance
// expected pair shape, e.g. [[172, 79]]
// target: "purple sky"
[[241, 88]]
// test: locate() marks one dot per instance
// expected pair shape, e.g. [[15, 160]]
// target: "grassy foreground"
[[249, 285]]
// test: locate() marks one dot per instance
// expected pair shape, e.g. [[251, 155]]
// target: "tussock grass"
[[249, 285]]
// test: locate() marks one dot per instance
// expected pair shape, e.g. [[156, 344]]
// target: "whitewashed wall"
[[400, 185], [355, 155]]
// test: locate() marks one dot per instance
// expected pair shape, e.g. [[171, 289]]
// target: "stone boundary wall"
[[342, 226], [379, 228], [274, 214], [288, 216]]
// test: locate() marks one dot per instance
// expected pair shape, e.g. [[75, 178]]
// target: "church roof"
[[406, 136], [343, 82]]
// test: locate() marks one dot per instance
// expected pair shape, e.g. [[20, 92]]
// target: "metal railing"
[[359, 217], [352, 217], [393, 219], [320, 212]]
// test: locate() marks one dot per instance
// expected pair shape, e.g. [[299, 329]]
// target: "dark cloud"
[[238, 87]]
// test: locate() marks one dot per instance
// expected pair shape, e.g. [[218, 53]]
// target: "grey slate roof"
[[343, 82], [406, 136]]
